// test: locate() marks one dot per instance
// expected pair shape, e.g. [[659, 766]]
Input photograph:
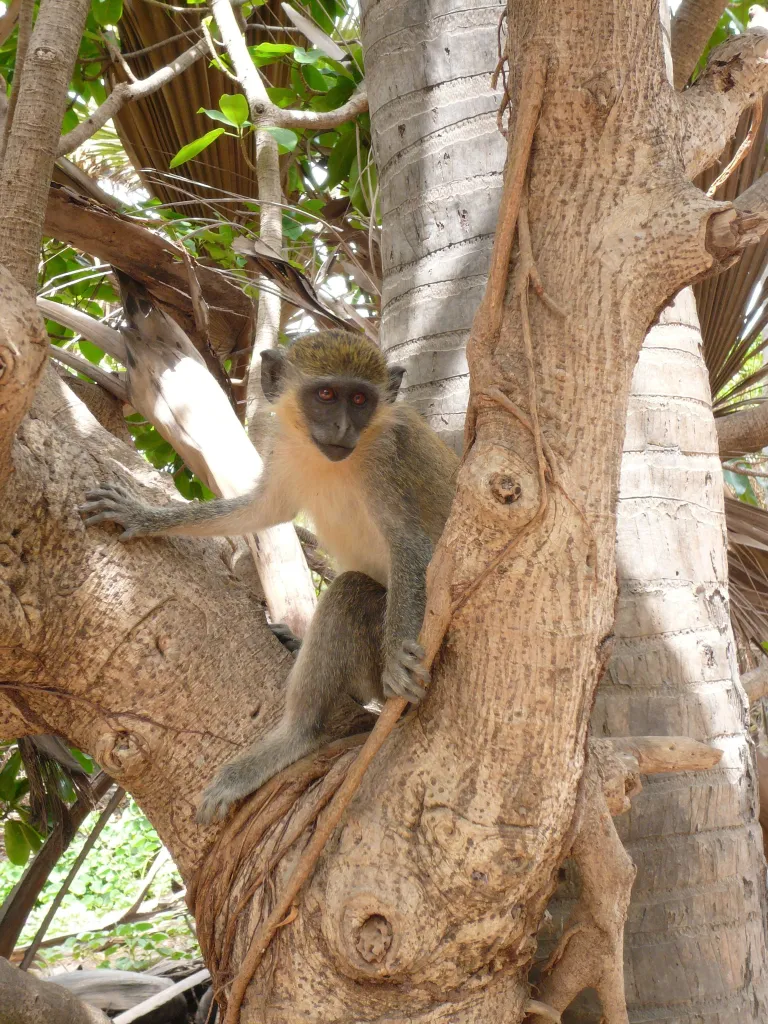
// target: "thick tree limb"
[[24, 999], [693, 24], [153, 260], [125, 92], [590, 953], [739, 433], [23, 348], [34, 135], [736, 73]]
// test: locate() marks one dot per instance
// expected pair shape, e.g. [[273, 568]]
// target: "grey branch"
[[693, 24], [127, 91]]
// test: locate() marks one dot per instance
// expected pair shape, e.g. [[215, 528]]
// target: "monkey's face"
[[337, 411]]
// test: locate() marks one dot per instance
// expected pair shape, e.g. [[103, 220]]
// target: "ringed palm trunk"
[[440, 158], [695, 943], [695, 947]]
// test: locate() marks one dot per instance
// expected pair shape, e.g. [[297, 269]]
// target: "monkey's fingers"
[[114, 491], [398, 682]]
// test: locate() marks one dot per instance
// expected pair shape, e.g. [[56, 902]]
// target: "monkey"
[[378, 484]]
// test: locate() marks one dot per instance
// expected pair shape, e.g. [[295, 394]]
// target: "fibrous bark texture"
[[695, 939], [440, 158]]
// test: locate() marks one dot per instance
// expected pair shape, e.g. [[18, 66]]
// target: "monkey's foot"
[[112, 503], [405, 674], [233, 782]]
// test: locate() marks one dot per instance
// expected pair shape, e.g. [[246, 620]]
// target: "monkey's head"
[[339, 379]]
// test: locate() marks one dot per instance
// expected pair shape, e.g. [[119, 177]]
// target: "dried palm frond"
[[155, 128], [733, 310], [733, 306], [748, 569]]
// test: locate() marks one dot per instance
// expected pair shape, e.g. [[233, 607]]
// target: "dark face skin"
[[337, 410]]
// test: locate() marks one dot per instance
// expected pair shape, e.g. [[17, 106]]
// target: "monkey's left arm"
[[404, 671]]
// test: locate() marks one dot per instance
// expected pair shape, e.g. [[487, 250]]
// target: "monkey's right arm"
[[225, 517]]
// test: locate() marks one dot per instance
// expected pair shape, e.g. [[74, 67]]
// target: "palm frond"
[[748, 569]]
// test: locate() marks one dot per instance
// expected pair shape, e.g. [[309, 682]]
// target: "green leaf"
[[282, 97], [217, 116], [269, 53], [335, 97], [83, 760], [33, 837], [91, 352], [315, 79], [340, 160], [306, 56], [193, 148], [107, 12], [16, 845], [71, 120], [8, 777], [283, 137], [235, 108]]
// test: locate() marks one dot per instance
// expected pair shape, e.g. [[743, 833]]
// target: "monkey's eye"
[[326, 394], [359, 398]]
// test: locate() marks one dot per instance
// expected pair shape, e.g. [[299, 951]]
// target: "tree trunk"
[[695, 838]]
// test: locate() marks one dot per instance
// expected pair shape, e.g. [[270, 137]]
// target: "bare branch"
[[693, 24], [125, 92], [660, 754], [735, 75], [739, 433], [106, 337], [25, 19]]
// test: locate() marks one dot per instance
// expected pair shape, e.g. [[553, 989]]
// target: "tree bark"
[[692, 25], [24, 999]]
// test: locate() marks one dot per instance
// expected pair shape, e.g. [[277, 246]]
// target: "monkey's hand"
[[405, 674], [111, 502]]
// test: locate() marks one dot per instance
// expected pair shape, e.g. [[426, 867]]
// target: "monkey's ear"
[[272, 373], [396, 374]]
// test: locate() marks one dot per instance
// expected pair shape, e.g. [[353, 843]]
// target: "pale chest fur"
[[331, 496]]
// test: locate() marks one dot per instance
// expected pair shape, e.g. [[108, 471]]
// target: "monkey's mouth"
[[334, 452]]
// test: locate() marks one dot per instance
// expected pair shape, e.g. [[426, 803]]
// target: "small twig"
[[741, 152], [109, 381], [127, 91]]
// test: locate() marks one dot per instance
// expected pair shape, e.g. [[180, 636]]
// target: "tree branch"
[[25, 18], [735, 75], [34, 135], [740, 433], [24, 999], [693, 24], [124, 93]]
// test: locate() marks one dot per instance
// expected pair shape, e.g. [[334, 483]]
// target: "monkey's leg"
[[341, 658]]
